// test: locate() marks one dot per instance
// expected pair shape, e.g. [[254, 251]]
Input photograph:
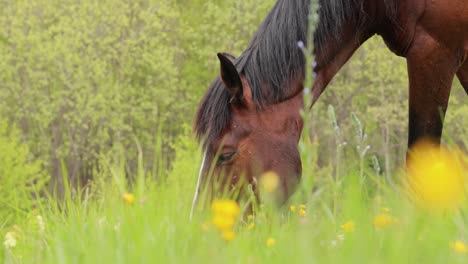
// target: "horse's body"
[[431, 35], [251, 113]]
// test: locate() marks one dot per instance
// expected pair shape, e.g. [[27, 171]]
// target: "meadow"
[[98, 162]]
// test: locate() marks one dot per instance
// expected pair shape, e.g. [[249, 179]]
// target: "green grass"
[[101, 228], [95, 225]]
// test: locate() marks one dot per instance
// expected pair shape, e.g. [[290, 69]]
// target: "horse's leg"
[[431, 69], [462, 75]]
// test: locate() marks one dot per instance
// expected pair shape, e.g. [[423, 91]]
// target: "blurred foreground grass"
[[344, 220]]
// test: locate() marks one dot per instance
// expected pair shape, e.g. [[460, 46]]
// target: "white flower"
[[10, 240], [40, 223]]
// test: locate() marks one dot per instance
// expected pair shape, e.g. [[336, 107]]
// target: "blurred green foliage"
[[85, 79], [21, 178]]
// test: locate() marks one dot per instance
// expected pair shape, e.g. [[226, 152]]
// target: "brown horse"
[[250, 114]]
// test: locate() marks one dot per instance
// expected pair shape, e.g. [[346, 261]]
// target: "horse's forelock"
[[213, 114]]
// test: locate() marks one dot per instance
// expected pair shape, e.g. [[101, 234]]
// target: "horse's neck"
[[337, 48]]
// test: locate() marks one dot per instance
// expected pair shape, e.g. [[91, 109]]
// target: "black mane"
[[335, 14], [273, 57]]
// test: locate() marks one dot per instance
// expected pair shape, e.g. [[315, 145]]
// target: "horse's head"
[[245, 139]]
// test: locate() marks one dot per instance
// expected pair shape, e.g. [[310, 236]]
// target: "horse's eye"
[[225, 158]]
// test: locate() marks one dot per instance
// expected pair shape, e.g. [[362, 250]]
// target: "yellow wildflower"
[[302, 206], [217, 206], [269, 181], [459, 247], [384, 220], [435, 177], [228, 208], [223, 222], [348, 227], [224, 217], [128, 198], [228, 235], [302, 212], [270, 242], [292, 208]]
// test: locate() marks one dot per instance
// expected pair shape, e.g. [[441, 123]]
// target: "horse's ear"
[[229, 56], [231, 77]]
